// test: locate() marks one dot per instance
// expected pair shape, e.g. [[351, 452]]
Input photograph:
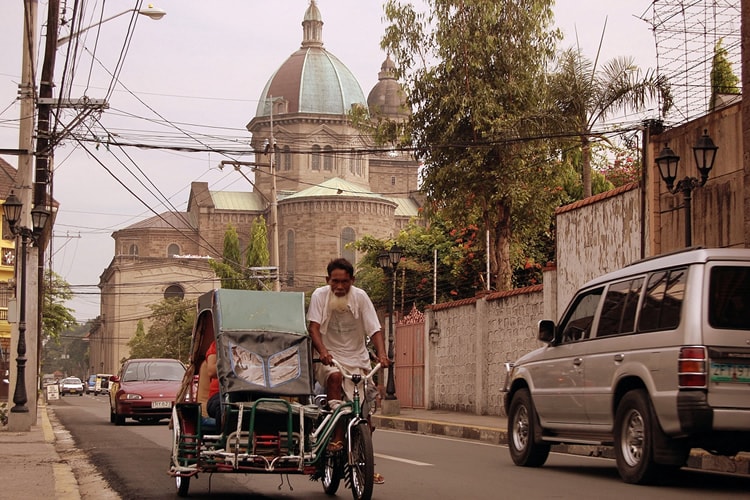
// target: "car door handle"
[[619, 357], [577, 361]]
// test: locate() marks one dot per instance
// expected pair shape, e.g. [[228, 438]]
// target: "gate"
[[409, 358]]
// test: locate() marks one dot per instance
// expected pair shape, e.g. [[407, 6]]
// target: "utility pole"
[[22, 421], [274, 209]]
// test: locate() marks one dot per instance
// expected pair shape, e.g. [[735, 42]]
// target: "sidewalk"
[[33, 467]]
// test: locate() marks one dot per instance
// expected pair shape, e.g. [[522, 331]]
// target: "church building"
[[327, 181]]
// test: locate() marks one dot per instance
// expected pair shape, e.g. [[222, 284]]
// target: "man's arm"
[[380, 352], [317, 341]]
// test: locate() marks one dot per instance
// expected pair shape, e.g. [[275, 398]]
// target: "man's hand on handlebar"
[[383, 360]]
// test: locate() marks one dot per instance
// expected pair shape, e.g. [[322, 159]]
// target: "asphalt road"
[[134, 458]]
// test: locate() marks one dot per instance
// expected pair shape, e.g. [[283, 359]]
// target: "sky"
[[198, 72]]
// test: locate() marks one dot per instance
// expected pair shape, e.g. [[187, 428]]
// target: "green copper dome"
[[312, 80]]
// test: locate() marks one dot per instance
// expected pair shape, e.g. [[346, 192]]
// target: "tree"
[[231, 271], [170, 333], [56, 317], [723, 79], [583, 96], [257, 254], [473, 71]]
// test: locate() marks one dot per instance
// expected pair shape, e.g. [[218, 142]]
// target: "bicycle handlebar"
[[349, 375]]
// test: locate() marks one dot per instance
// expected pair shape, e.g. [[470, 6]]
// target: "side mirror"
[[546, 331]]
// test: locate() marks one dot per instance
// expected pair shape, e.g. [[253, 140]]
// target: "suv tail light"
[[691, 368]]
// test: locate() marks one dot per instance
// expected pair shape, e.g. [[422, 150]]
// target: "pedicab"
[[272, 422]]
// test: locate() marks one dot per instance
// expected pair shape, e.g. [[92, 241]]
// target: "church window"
[[393, 180], [133, 250], [328, 158], [315, 157], [173, 249], [347, 247], [290, 257], [174, 292], [287, 158]]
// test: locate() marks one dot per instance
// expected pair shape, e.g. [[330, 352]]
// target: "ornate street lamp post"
[[388, 262], [705, 154], [12, 211]]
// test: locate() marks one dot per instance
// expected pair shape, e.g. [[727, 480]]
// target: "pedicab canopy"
[[262, 344]]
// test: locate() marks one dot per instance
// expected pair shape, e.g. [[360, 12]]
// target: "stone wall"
[[465, 361]]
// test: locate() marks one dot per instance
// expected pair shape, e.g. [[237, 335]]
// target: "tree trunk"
[[502, 248], [586, 167]]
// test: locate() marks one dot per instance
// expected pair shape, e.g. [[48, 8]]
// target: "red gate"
[[409, 358]]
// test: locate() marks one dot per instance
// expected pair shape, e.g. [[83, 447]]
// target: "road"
[[133, 459]]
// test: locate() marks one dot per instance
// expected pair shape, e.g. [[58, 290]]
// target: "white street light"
[[151, 12]]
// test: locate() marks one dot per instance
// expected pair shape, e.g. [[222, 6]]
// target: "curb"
[[66, 485], [699, 459]]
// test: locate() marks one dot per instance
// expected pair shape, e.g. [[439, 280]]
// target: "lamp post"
[[705, 153], [388, 262], [151, 12], [12, 211]]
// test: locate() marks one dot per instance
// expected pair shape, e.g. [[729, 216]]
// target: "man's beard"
[[338, 304]]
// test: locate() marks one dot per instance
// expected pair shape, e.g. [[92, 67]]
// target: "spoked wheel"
[[361, 462], [183, 485], [333, 471]]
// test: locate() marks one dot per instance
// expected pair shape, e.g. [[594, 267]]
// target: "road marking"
[[404, 460]]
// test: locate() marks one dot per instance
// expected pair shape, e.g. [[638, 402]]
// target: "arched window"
[[174, 292], [347, 250], [173, 249], [290, 258], [287, 158], [133, 249], [328, 158], [315, 160]]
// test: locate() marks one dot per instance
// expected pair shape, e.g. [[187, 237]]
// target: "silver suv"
[[653, 359]]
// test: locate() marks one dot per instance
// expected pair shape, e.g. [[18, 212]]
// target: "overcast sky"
[[199, 72]]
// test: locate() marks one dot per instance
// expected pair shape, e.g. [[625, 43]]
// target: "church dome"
[[312, 80], [387, 98]]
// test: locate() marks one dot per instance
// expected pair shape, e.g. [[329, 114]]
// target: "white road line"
[[404, 460]]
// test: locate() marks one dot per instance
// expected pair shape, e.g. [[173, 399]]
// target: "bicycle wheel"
[[362, 462], [333, 471]]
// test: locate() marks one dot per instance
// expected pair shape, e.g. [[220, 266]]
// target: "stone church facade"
[[332, 186]]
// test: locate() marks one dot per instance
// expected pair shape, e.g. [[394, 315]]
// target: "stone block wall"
[[465, 363]]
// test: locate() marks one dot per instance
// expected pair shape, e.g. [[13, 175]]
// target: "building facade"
[[330, 183]]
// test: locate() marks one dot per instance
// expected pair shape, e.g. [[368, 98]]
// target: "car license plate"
[[730, 372], [161, 404]]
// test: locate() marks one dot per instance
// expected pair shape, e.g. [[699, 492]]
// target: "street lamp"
[[705, 154], [388, 262], [151, 12], [12, 211]]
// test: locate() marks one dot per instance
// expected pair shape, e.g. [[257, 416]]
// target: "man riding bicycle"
[[340, 318]]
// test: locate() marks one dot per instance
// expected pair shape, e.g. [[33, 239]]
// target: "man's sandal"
[[378, 478], [335, 446]]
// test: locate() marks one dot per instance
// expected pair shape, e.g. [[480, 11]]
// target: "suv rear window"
[[729, 297], [662, 304]]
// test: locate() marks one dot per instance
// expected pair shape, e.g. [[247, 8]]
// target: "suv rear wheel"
[[635, 429], [522, 426]]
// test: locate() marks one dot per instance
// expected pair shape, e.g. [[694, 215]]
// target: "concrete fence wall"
[[468, 342]]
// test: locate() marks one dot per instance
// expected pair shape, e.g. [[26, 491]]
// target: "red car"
[[144, 390]]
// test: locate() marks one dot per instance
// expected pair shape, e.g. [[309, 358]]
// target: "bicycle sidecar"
[[269, 421]]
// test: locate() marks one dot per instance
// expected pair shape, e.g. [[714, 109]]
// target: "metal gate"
[[409, 359]]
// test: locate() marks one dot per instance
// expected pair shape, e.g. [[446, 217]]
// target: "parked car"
[[71, 385], [90, 384], [145, 390], [653, 359]]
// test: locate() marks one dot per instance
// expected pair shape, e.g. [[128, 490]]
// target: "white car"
[[71, 385]]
